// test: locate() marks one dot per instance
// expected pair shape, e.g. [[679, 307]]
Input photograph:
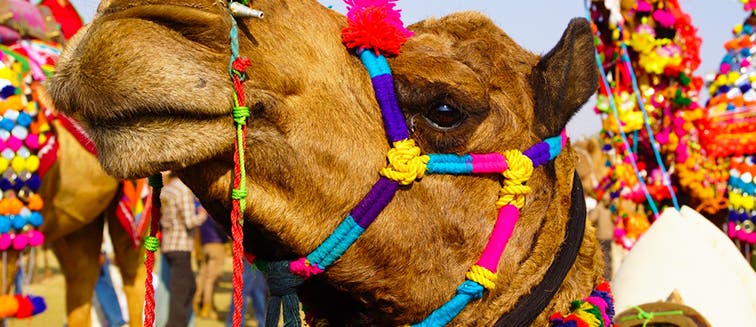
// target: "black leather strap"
[[530, 306]]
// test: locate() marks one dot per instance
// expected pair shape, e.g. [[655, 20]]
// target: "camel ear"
[[564, 79]]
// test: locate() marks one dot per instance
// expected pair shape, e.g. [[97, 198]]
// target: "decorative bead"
[[20, 242], [36, 238], [24, 119], [5, 224], [35, 219], [21, 132], [18, 222], [5, 241], [18, 164], [14, 143]]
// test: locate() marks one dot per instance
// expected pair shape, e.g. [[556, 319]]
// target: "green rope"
[[648, 316], [240, 114], [151, 243]]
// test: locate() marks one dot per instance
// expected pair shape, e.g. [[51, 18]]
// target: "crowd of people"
[[184, 295]]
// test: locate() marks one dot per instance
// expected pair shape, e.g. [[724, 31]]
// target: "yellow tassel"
[[586, 316]]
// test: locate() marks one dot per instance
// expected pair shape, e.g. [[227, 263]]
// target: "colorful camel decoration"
[[149, 80], [78, 196]]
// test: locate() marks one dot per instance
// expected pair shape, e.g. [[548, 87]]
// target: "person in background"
[[178, 221], [211, 259], [255, 289], [106, 295]]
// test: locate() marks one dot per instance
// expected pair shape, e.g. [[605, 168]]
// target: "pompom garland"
[[597, 310], [374, 25], [21, 306]]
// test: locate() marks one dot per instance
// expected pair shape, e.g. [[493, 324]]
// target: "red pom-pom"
[[25, 307], [374, 25]]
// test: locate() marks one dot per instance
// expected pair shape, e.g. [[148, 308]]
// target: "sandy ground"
[[51, 286]]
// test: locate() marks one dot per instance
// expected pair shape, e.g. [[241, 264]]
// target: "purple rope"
[[393, 119], [373, 203], [538, 153]]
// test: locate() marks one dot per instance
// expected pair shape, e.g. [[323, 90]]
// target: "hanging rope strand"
[[151, 244], [237, 68]]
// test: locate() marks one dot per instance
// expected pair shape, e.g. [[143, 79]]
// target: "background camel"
[[79, 197], [149, 80]]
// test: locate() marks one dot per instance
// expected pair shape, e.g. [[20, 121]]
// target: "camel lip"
[[139, 147]]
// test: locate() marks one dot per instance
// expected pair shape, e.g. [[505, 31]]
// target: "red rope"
[[237, 216], [149, 261]]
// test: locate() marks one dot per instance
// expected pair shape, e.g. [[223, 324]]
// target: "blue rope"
[[468, 291], [376, 65], [336, 244], [449, 164]]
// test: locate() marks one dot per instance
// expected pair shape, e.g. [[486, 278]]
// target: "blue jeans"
[[255, 288], [107, 297]]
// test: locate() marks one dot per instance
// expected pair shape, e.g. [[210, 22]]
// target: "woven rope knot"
[[482, 276], [240, 115], [282, 284], [151, 243], [240, 65], [513, 190], [239, 194], [155, 181], [405, 163], [471, 289]]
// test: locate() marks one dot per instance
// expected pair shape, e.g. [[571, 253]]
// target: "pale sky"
[[538, 24]]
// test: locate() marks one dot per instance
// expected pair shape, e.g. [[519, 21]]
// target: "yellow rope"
[[405, 163], [513, 188], [482, 276]]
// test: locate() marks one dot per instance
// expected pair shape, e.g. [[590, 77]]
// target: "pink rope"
[[488, 163], [502, 231]]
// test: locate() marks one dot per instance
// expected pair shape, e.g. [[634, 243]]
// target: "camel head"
[[149, 81]]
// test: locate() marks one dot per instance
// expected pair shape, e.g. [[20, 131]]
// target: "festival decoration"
[[647, 99], [728, 130], [24, 129]]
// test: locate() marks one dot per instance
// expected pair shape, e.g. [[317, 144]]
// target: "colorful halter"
[[375, 29]]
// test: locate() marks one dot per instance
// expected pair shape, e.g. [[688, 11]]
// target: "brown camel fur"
[[149, 80]]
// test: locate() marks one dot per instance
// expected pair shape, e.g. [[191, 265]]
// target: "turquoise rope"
[[468, 291], [336, 244], [555, 146], [613, 105], [376, 65], [234, 34], [449, 164], [652, 139]]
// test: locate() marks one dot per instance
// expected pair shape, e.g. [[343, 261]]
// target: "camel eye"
[[445, 117]]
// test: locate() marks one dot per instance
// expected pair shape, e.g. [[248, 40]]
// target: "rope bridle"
[[405, 166]]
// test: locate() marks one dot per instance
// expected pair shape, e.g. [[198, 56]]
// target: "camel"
[[78, 195], [149, 82]]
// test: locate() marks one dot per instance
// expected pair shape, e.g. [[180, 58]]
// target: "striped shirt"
[[179, 217]]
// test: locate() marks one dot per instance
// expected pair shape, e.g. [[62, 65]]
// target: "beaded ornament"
[[23, 130]]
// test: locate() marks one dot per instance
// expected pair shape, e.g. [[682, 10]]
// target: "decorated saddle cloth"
[[31, 34]]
